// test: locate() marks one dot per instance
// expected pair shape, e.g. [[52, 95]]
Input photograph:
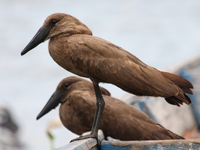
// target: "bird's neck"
[[69, 30]]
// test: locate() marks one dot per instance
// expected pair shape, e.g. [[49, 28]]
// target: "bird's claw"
[[82, 137]]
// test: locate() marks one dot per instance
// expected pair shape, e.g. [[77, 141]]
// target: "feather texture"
[[120, 120]]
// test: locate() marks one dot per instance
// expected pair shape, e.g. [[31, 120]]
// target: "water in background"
[[161, 33]]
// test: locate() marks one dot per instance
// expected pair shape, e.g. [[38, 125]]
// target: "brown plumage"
[[119, 120], [74, 48]]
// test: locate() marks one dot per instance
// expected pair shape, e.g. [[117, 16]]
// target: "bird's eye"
[[54, 21], [66, 85]]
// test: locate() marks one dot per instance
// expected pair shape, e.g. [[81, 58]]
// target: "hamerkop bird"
[[74, 48], [119, 119]]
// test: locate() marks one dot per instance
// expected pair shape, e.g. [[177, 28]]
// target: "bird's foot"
[[82, 137]]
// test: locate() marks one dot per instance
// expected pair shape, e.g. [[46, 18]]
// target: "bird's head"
[[58, 24], [66, 87]]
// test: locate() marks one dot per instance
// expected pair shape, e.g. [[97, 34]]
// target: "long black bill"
[[51, 104], [39, 37]]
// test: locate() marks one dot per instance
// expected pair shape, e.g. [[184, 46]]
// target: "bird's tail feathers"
[[178, 100], [184, 85]]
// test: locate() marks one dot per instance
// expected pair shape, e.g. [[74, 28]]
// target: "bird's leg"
[[99, 110], [97, 117]]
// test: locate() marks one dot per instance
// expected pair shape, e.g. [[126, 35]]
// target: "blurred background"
[[160, 33]]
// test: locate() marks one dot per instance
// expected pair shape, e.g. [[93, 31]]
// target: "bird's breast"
[[76, 113], [65, 54]]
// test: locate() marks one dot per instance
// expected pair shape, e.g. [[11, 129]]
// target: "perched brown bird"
[[119, 119], [74, 48]]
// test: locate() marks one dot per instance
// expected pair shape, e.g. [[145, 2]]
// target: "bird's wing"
[[106, 62], [129, 122], [132, 123], [108, 50]]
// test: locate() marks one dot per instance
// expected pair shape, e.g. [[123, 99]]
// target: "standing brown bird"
[[74, 48], [119, 119]]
